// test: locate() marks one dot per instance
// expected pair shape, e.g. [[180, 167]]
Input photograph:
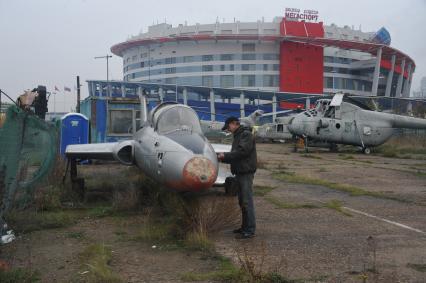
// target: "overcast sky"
[[50, 42]]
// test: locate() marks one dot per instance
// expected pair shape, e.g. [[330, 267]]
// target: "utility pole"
[[77, 109], [107, 58]]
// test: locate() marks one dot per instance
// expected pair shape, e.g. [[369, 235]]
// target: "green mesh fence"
[[28, 149]]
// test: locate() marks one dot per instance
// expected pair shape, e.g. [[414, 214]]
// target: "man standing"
[[243, 162]]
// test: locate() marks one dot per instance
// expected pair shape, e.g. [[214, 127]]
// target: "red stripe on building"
[[301, 65]]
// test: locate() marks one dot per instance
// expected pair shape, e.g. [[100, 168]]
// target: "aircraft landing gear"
[[305, 144], [366, 150], [77, 184], [333, 147]]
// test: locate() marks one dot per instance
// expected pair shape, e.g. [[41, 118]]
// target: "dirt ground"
[[364, 239]]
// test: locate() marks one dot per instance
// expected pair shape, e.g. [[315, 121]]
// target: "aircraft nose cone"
[[199, 173]]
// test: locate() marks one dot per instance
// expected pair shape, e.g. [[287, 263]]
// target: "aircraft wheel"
[[366, 150], [334, 148]]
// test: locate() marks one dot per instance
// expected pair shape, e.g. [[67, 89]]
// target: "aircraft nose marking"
[[199, 173]]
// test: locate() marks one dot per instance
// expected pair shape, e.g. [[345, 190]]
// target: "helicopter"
[[343, 120]]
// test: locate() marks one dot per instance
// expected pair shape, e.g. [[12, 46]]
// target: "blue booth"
[[74, 130]]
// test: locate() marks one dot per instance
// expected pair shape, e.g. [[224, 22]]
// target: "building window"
[[143, 55], [231, 67], [226, 57], [248, 80], [328, 82], [227, 81], [171, 60], [248, 47], [207, 81], [207, 68], [170, 70], [270, 80], [276, 67], [248, 67], [265, 67], [222, 67], [328, 59], [207, 57], [250, 56], [188, 59], [270, 57], [170, 80], [120, 121]]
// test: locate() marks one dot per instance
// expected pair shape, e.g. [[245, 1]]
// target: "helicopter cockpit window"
[[280, 128], [178, 119], [330, 112]]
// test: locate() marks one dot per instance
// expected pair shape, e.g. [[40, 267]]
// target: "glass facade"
[[245, 69]]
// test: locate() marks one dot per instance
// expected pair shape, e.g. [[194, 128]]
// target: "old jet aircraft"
[[343, 120], [169, 147], [213, 129]]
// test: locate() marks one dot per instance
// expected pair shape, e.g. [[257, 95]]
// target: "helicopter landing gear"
[[333, 147], [366, 150], [305, 143]]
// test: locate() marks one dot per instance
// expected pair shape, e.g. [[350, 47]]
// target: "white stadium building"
[[284, 55]]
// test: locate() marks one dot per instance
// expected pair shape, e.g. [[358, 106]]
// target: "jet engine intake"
[[124, 152]]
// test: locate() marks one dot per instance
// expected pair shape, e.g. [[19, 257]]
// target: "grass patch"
[[417, 266], [285, 205], [307, 155], [226, 272], [199, 241], [19, 275], [346, 157], [95, 259], [337, 206], [322, 170], [158, 232], [28, 221], [75, 235], [101, 211], [262, 190], [402, 147], [351, 190]]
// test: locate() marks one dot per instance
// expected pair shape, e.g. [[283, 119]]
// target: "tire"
[[366, 150]]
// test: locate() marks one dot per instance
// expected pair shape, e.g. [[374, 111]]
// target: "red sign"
[[296, 14]]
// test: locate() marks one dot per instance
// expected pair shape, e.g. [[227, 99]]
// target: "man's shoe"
[[245, 235], [237, 231]]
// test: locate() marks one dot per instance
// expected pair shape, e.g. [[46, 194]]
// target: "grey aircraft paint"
[[339, 122]]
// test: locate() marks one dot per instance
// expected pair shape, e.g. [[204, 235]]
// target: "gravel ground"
[[327, 245]]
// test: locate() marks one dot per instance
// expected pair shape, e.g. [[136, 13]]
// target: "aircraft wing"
[[103, 151], [222, 174], [218, 147]]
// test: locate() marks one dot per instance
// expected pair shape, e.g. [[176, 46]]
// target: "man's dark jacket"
[[242, 157]]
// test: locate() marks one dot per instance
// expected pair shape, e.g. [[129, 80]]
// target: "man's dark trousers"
[[245, 200]]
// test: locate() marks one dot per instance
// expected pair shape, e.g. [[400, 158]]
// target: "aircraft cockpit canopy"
[[323, 108], [175, 118]]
